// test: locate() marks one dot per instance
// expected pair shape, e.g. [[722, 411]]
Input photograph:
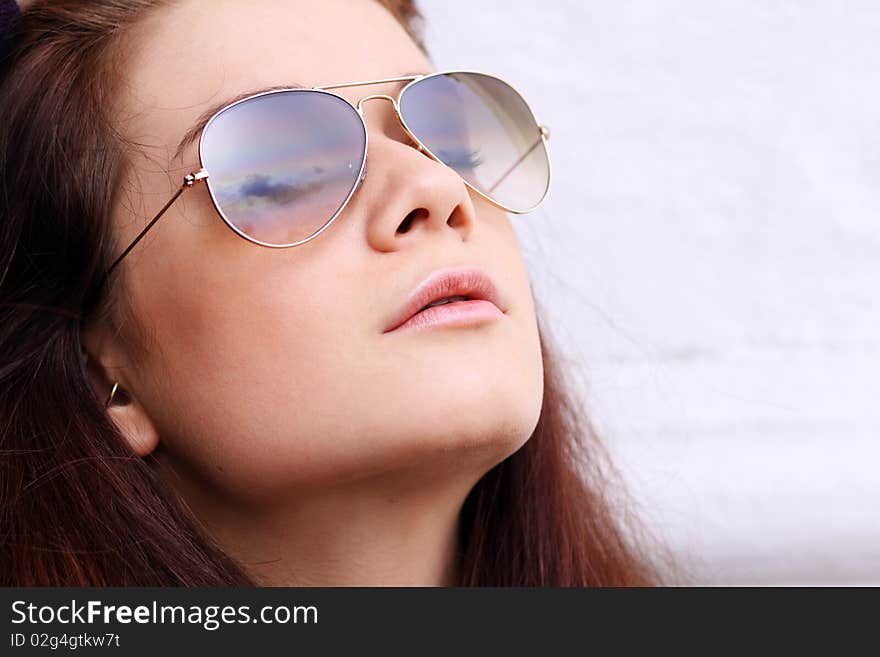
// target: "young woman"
[[216, 235]]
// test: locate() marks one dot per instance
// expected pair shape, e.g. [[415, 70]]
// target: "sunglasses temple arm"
[[514, 166], [188, 182]]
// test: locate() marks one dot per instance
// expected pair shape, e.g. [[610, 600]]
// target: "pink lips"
[[483, 300]]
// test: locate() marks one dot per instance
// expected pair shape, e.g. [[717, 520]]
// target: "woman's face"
[[266, 371]]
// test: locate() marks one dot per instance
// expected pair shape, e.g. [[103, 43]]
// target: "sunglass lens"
[[282, 165], [483, 128]]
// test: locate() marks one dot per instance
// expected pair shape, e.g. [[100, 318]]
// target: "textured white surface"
[[710, 256]]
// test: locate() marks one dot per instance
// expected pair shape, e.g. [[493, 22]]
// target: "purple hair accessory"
[[9, 15]]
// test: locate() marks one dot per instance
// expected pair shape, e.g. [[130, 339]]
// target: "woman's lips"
[[483, 300], [458, 313]]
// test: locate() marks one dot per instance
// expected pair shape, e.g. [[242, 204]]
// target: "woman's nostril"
[[407, 222]]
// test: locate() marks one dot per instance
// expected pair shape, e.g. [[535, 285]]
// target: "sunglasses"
[[281, 165]]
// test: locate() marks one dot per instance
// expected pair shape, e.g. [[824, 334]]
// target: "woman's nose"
[[405, 192]]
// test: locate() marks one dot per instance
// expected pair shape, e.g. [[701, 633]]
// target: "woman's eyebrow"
[[205, 116]]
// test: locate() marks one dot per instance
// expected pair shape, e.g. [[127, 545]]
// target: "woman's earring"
[[112, 392]]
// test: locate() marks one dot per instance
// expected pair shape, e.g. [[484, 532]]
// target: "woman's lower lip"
[[458, 313]]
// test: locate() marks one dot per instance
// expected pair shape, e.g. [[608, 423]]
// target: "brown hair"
[[77, 506]]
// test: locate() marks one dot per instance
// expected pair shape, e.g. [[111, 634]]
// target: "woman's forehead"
[[190, 56]]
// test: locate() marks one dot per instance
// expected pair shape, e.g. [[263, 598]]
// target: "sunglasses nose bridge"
[[375, 96], [393, 102]]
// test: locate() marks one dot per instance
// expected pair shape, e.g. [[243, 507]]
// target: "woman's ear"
[[102, 353], [134, 424]]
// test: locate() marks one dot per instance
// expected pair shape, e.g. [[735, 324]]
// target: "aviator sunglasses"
[[281, 165]]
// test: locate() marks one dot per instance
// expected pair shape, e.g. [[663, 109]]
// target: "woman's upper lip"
[[472, 282]]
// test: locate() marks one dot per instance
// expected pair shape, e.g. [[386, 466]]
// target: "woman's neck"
[[369, 533]]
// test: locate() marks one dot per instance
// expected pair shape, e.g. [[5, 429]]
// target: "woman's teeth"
[[440, 302]]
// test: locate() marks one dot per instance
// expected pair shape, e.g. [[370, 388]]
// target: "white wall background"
[[710, 254]]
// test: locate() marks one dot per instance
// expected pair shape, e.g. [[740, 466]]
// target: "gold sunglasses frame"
[[202, 174]]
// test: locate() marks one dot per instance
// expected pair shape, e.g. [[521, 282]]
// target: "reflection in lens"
[[481, 127], [282, 164]]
